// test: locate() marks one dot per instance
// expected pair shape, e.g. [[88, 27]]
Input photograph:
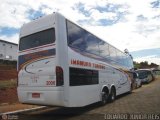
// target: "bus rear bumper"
[[52, 96]]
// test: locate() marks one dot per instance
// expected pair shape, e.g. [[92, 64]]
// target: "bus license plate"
[[35, 95]]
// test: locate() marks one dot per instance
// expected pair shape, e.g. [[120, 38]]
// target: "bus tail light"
[[59, 76]]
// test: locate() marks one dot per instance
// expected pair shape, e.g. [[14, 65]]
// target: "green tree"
[[143, 65]]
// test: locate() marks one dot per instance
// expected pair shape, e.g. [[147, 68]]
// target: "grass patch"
[[4, 84]]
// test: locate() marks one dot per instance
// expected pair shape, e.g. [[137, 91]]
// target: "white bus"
[[62, 64]]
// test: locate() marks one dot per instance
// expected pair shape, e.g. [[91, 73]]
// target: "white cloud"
[[102, 15], [127, 33], [13, 38], [12, 14]]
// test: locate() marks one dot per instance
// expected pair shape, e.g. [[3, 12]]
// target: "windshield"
[[143, 74], [37, 39]]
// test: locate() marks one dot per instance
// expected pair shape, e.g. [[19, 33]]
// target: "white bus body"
[[57, 67]]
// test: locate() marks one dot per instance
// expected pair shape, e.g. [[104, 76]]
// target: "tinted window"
[[143, 74], [125, 58], [112, 51], [130, 62], [86, 42], [91, 43], [104, 49], [37, 39], [80, 76], [75, 36], [120, 57], [81, 39]]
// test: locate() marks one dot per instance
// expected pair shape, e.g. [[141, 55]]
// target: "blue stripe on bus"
[[23, 59]]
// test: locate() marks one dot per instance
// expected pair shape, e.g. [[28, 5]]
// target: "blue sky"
[[131, 24]]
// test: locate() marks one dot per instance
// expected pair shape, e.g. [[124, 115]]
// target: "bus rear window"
[[37, 39]]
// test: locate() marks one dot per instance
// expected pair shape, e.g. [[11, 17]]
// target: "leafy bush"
[[12, 64]]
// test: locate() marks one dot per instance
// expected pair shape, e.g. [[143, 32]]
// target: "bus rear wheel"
[[104, 98], [112, 95]]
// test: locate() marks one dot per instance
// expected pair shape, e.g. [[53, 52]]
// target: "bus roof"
[[38, 24]]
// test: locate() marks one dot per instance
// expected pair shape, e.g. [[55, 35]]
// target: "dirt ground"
[[8, 74], [8, 92], [8, 95], [9, 101]]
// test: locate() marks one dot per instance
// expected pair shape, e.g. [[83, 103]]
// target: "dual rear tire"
[[106, 97], [112, 96]]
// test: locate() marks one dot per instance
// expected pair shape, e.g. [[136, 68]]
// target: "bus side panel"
[[125, 82], [119, 79], [83, 95], [106, 78]]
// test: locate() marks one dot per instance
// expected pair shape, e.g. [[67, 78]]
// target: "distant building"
[[8, 50]]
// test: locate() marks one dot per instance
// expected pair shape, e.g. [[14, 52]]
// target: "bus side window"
[[75, 36], [91, 43]]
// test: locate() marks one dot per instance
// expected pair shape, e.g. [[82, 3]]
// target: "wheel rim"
[[113, 95], [104, 98]]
